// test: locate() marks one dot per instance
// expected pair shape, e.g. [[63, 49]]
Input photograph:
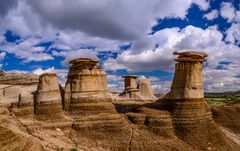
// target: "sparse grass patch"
[[215, 99], [225, 99]]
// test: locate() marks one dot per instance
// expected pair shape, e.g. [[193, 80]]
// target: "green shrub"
[[73, 149], [231, 98]]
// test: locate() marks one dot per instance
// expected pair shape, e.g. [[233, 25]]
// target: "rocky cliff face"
[[18, 79]]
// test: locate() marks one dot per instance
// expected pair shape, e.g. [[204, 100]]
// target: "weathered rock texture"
[[188, 80], [130, 88], [192, 117], [227, 116], [85, 78], [2, 72], [18, 79], [146, 92], [134, 91], [89, 102], [32, 119], [48, 101]]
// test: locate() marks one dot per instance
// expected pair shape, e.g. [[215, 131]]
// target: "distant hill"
[[222, 94]]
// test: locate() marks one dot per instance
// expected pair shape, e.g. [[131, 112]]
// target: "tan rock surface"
[[18, 79], [48, 102], [188, 80], [145, 88], [193, 119], [93, 121], [2, 72], [10, 93], [85, 78], [130, 88], [91, 107]]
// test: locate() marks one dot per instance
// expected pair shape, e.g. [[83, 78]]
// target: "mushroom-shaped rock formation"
[[192, 117], [146, 92], [131, 91], [188, 80], [85, 79], [89, 103], [48, 101]]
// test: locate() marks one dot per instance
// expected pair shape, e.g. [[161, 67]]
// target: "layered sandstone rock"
[[156, 121], [89, 103], [11, 93], [146, 92], [19, 79], [24, 107], [182, 121], [192, 117], [188, 80], [48, 101], [85, 78], [85, 81], [130, 88], [15, 85], [86, 89]]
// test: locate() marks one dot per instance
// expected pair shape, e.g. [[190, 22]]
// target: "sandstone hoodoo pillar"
[[188, 80], [85, 80], [130, 90], [192, 117], [130, 82], [89, 102], [48, 101]]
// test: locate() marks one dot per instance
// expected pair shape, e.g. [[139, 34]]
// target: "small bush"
[[231, 98], [73, 149]]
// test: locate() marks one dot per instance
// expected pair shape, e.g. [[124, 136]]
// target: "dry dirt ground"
[[227, 117], [29, 134]]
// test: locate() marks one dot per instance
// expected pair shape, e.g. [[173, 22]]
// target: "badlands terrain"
[[38, 114]]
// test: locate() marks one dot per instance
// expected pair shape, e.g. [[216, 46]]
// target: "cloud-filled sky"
[[128, 36]]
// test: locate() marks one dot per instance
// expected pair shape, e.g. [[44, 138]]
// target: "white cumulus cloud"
[[211, 15]]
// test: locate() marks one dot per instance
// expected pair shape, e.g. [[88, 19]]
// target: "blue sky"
[[129, 37]]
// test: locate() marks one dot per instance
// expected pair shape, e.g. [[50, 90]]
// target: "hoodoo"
[[32, 117], [130, 90], [192, 117], [85, 79], [90, 104], [188, 79], [48, 100]]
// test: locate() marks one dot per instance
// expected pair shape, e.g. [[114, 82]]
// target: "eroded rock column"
[[188, 79], [130, 90], [85, 81], [48, 101], [192, 117], [89, 103]]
